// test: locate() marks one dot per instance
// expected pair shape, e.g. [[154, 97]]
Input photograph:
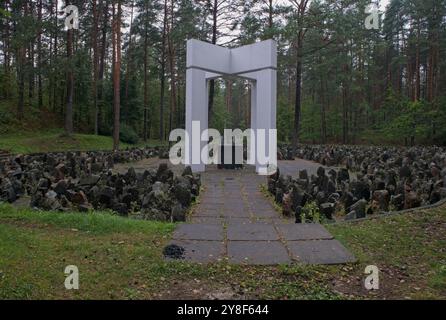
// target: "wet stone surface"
[[201, 251], [328, 252], [235, 221], [252, 232], [206, 232], [300, 232], [257, 252]]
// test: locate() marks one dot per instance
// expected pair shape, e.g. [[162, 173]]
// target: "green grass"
[[93, 222], [110, 252], [54, 140], [120, 258], [404, 237], [411, 247]]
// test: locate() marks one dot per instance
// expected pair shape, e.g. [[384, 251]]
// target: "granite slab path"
[[235, 221]]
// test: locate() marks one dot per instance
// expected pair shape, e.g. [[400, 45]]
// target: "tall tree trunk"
[[146, 75], [101, 71], [172, 66], [39, 56], [228, 95], [301, 10], [6, 53], [298, 101], [270, 15], [344, 115], [163, 72], [30, 62], [55, 70], [94, 35], [70, 83], [180, 108], [116, 71], [250, 106], [21, 81], [30, 73], [21, 61], [129, 55], [418, 65], [290, 91], [51, 62], [214, 41], [323, 114], [433, 39]]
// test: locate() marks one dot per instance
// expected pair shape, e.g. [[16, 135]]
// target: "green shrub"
[[128, 135], [311, 213], [8, 120]]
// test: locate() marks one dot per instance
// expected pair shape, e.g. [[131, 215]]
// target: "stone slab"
[[231, 203], [199, 231], [257, 253], [237, 221], [253, 206], [207, 212], [212, 201], [263, 220], [210, 206], [252, 232], [262, 214], [298, 232], [201, 251], [206, 220], [242, 213], [327, 252], [259, 201], [229, 197]]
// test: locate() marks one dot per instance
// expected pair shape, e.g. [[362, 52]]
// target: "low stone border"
[[389, 180], [393, 213], [85, 181]]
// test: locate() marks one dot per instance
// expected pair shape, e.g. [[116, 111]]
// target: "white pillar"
[[266, 86], [196, 110]]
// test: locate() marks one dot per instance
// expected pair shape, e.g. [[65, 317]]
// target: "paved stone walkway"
[[235, 221]]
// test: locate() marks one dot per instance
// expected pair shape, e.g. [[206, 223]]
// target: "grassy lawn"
[[120, 258], [410, 251], [54, 140]]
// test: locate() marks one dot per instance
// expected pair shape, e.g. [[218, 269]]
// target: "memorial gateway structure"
[[256, 63]]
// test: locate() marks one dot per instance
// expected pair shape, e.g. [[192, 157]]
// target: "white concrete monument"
[[257, 63]]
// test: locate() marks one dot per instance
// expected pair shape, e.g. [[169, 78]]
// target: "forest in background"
[[124, 68]]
